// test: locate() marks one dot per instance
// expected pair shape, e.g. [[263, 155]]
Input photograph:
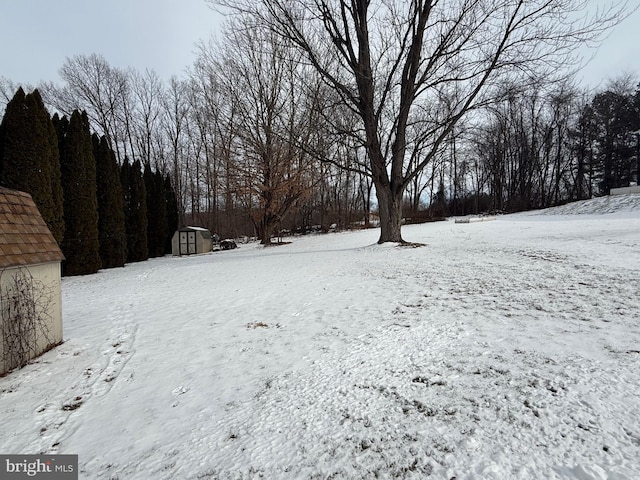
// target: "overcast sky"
[[37, 35]]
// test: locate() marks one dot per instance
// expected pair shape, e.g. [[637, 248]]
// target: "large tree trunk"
[[265, 227], [390, 210]]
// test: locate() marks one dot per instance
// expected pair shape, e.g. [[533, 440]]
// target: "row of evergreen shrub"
[[102, 214]]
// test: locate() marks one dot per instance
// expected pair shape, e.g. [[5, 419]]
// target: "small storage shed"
[[30, 291], [191, 241]]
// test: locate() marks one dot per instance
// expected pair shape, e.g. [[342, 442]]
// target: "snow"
[[499, 350], [198, 229]]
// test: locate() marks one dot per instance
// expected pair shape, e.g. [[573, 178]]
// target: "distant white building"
[[625, 190]]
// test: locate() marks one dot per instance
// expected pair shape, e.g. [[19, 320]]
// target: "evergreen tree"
[[29, 157], [81, 247], [614, 116], [156, 213], [439, 207], [135, 211], [111, 219], [173, 216], [162, 230], [149, 188], [125, 180]]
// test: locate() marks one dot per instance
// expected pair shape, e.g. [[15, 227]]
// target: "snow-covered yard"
[[507, 349]]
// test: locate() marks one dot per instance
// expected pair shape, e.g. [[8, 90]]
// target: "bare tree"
[[147, 92], [392, 60], [524, 146], [215, 113], [174, 124], [8, 89], [102, 91], [268, 86]]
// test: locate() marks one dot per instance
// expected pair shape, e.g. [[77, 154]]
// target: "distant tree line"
[[269, 133], [547, 145], [95, 208]]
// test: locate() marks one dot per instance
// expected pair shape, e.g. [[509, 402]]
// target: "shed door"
[[187, 243]]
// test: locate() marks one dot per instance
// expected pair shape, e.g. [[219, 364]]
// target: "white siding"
[[49, 275]]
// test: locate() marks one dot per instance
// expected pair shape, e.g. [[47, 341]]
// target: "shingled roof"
[[25, 238]]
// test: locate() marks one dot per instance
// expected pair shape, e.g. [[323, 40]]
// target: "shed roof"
[[193, 229], [204, 233], [25, 238]]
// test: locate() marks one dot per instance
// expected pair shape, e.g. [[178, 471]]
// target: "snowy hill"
[[601, 205], [500, 350]]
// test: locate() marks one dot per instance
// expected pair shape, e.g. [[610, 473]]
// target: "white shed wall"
[[49, 275]]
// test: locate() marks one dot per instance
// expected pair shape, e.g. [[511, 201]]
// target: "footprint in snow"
[[180, 390]]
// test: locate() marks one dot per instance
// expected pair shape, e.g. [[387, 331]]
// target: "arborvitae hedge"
[[172, 212], [111, 220], [106, 218], [156, 212], [81, 247], [135, 211], [162, 230], [29, 157]]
